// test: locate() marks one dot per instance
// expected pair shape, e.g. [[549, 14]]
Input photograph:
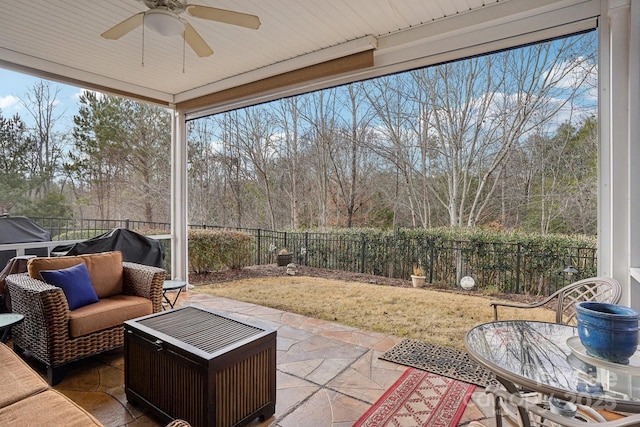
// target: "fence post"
[[431, 255], [518, 256], [306, 246], [126, 223], [259, 252], [363, 251]]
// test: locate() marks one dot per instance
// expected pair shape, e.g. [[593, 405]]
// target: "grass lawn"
[[437, 317]]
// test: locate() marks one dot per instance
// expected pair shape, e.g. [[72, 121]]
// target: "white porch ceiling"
[[60, 39]]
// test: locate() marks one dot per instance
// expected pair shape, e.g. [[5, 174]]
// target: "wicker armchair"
[[45, 332], [601, 289]]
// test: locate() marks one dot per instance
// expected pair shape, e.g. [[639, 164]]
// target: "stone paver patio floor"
[[327, 374]]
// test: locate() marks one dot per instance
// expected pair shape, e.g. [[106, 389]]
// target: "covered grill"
[[135, 247], [20, 229]]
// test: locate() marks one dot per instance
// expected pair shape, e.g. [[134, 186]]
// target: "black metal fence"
[[496, 266]]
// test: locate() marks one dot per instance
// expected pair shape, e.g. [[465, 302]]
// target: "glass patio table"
[[7, 320], [548, 358]]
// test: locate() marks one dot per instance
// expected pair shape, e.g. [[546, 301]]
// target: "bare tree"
[[455, 126], [204, 174], [286, 111], [253, 134], [563, 188], [41, 104], [145, 147], [401, 141], [351, 162], [319, 110]]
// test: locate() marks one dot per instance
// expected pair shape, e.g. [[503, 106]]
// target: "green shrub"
[[510, 261], [213, 250]]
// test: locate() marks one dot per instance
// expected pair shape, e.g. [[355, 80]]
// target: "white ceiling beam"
[[313, 58], [446, 47], [487, 17], [25, 64]]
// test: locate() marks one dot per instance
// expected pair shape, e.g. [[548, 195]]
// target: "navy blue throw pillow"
[[75, 283]]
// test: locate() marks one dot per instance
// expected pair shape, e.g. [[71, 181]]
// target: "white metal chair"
[[532, 414], [601, 289]]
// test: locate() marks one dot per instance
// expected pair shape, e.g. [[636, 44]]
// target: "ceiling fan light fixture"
[[163, 22]]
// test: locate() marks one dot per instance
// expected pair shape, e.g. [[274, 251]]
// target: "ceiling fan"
[[164, 18]]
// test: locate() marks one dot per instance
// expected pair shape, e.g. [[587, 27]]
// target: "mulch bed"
[[271, 270]]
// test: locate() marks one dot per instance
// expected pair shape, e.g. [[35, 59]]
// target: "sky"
[[14, 86]]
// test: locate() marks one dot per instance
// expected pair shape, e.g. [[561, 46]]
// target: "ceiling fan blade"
[[193, 39], [226, 16], [123, 27]]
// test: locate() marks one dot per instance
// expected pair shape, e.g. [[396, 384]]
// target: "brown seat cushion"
[[48, 408], [105, 270], [17, 379], [107, 313]]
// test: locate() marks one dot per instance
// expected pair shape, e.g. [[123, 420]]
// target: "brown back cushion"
[[105, 270], [36, 265]]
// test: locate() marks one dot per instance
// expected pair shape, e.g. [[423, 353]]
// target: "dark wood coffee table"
[[200, 366]]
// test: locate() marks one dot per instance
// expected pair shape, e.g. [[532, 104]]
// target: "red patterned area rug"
[[419, 398]]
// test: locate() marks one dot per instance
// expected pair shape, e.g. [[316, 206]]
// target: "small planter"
[[608, 331], [418, 281], [284, 259]]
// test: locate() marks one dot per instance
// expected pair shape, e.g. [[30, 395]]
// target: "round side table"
[[169, 286], [7, 320]]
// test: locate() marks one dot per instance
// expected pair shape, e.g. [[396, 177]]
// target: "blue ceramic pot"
[[608, 331]]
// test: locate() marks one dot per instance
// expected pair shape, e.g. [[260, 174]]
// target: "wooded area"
[[507, 140]]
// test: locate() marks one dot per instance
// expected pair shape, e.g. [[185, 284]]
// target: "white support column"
[[618, 230], [605, 206], [179, 220]]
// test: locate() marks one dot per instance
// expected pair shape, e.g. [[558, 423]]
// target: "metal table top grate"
[[204, 330]]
